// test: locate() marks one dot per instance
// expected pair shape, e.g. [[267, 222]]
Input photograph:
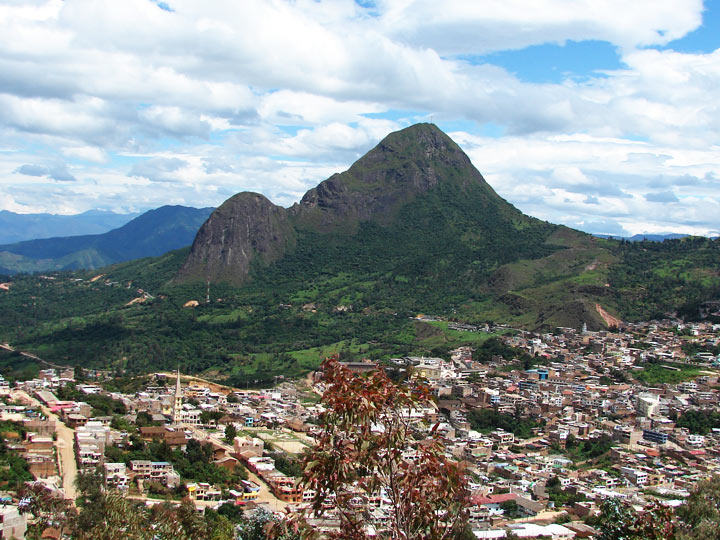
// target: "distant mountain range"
[[19, 227], [153, 233], [645, 237]]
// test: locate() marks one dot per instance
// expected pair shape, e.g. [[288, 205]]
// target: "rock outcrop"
[[249, 230], [246, 228], [405, 164]]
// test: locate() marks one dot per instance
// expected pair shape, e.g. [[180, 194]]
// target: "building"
[[155, 471], [252, 445], [177, 406], [12, 523], [647, 404], [286, 488], [696, 441], [659, 437], [116, 475], [637, 477]]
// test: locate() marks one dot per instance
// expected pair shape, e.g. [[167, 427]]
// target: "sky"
[[603, 115]]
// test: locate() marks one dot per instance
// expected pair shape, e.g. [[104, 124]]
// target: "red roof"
[[493, 499]]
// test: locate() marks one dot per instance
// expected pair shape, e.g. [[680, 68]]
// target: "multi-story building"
[[12, 523], [636, 476], [652, 435], [116, 475], [156, 471], [647, 404]]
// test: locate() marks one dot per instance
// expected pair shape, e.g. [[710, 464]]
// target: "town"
[[547, 430]]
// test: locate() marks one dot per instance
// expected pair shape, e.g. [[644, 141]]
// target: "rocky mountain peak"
[[244, 228], [405, 165]]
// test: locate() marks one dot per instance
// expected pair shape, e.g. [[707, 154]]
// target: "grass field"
[[658, 374]]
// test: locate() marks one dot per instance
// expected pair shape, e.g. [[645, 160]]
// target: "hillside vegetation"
[[346, 271]]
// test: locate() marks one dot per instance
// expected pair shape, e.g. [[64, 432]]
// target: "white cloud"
[[627, 178], [86, 153], [275, 96], [458, 27], [58, 171]]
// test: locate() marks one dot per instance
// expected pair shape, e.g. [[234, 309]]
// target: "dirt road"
[[64, 445]]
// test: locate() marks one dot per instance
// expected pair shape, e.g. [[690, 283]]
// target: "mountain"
[[244, 228], [412, 225], [19, 227], [645, 237], [415, 185], [410, 228], [150, 234]]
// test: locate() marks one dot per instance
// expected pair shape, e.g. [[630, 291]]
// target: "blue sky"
[[600, 115]]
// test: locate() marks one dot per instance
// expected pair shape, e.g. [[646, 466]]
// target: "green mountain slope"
[[153, 233], [411, 226], [346, 270]]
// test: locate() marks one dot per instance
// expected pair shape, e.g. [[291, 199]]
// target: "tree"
[[257, 524], [208, 416], [619, 521], [230, 433], [47, 508], [700, 514], [368, 448]]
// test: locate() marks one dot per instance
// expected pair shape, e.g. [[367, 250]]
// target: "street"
[[64, 445]]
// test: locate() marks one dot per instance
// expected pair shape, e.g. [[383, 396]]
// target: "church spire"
[[177, 407]]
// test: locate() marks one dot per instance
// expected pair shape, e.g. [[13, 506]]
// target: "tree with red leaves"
[[377, 450]]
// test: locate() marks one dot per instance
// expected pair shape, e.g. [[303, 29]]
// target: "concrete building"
[[647, 404], [12, 523]]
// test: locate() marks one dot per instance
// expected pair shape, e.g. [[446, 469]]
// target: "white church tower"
[[177, 406]]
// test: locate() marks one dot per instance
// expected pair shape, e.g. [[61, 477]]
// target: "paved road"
[[65, 446]]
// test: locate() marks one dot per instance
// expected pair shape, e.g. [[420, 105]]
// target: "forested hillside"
[[410, 228], [285, 327]]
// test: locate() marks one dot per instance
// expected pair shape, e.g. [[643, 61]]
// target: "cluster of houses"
[[581, 385]]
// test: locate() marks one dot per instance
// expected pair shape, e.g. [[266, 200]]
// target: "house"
[[251, 490], [529, 507], [252, 445], [257, 464], [485, 506], [156, 471], [175, 438], [286, 488], [531, 530], [116, 475], [40, 466], [202, 491], [12, 523]]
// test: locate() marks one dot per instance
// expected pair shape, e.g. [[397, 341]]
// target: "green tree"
[[700, 514], [230, 433], [260, 523], [619, 521]]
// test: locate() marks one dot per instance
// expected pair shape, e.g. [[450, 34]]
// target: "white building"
[[647, 404], [12, 523]]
